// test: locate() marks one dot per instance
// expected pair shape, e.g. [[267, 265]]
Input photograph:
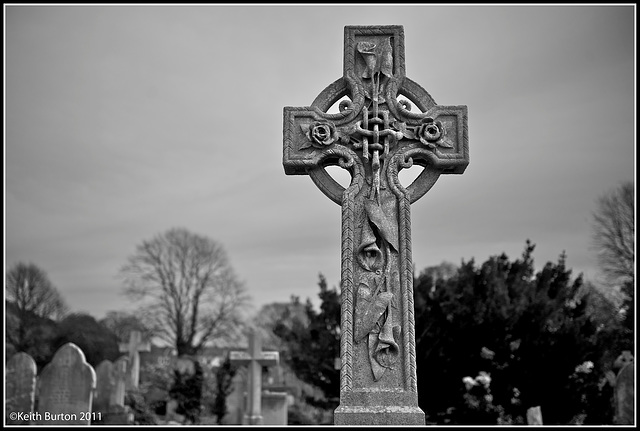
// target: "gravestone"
[[110, 392], [133, 348], [626, 357], [255, 359], [121, 377], [375, 135], [534, 416], [105, 386], [624, 396], [20, 384], [66, 388], [274, 408]]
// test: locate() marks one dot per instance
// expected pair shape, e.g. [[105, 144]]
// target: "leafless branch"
[[188, 287], [614, 233]]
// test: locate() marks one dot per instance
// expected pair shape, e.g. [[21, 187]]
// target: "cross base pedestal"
[[378, 415], [252, 420]]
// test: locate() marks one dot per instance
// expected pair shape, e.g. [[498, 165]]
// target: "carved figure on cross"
[[255, 359], [374, 136]]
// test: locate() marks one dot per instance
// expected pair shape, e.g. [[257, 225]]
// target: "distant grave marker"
[[255, 359], [624, 395], [105, 385], [21, 387], [133, 348], [534, 416], [66, 389], [121, 377]]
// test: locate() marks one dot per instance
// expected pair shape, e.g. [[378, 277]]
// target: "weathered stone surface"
[[274, 408], [20, 389], [118, 415], [255, 359], [378, 415], [625, 395], [534, 416], [121, 376], [133, 348], [66, 389], [626, 357], [375, 135], [108, 403], [105, 385]]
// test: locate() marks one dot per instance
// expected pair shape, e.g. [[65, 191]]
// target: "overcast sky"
[[124, 121]]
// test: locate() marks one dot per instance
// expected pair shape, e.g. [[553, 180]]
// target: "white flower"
[[469, 382], [484, 379], [487, 353], [586, 367]]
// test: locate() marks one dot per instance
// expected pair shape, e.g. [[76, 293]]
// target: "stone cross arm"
[[266, 359], [127, 348], [310, 134], [135, 344]]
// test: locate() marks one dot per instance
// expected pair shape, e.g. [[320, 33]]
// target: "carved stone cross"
[[133, 348], [255, 358], [374, 135]]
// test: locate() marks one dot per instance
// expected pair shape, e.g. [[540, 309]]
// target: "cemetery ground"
[[595, 392], [69, 391]]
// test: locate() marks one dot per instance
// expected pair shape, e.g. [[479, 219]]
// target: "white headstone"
[[105, 385], [624, 396], [534, 416], [66, 389], [20, 386], [121, 377]]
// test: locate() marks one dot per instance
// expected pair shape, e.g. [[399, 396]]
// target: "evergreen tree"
[[528, 331], [224, 387], [187, 391], [312, 347], [96, 341]]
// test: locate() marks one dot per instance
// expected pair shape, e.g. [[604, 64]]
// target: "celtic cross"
[[375, 135], [255, 359]]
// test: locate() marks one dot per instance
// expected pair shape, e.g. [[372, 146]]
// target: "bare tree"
[[189, 291], [122, 324], [32, 296], [614, 233]]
